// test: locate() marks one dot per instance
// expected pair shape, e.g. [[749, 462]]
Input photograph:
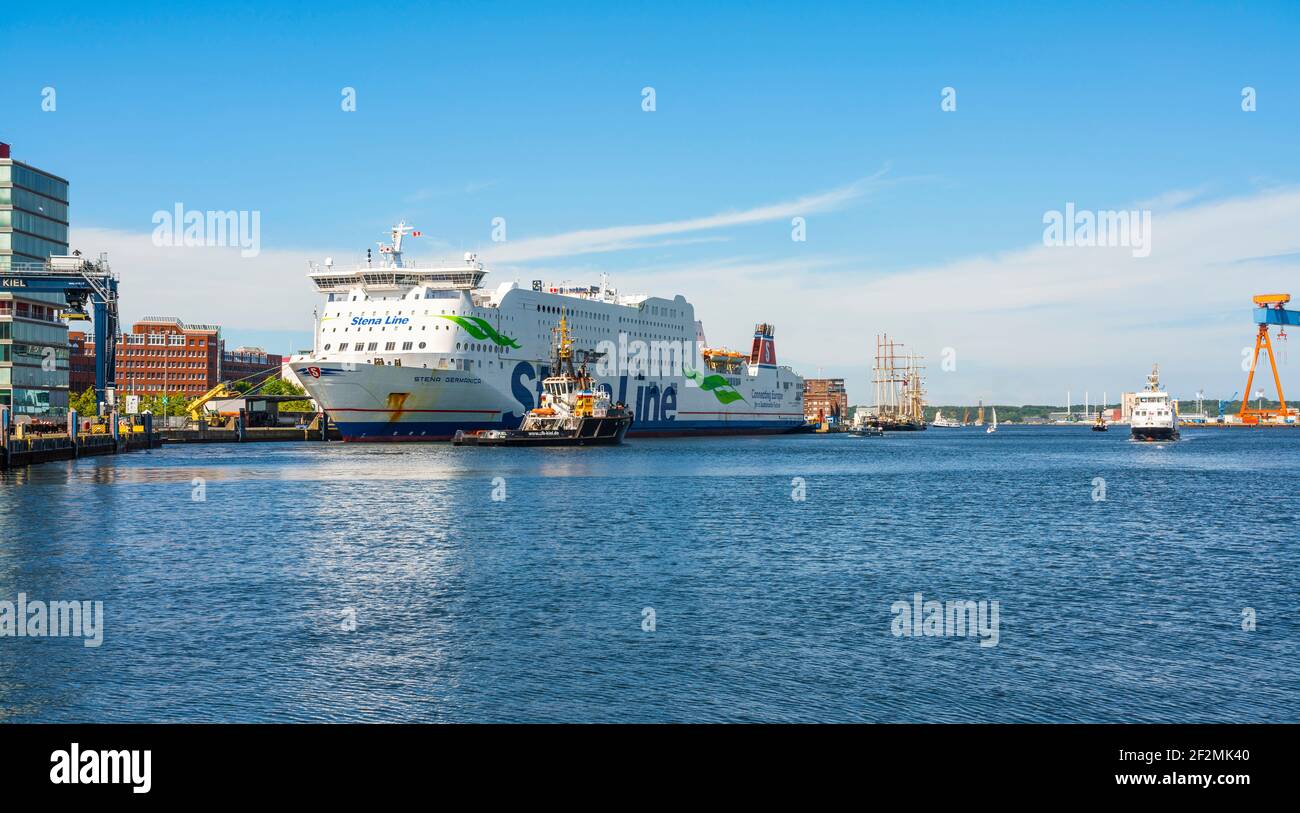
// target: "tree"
[[85, 403], [278, 386]]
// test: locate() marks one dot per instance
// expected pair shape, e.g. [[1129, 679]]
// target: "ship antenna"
[[395, 249]]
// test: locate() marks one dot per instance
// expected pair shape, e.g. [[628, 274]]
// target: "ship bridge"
[[392, 278], [392, 273]]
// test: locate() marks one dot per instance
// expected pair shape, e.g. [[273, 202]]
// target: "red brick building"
[[825, 398], [81, 362], [253, 364], [165, 356]]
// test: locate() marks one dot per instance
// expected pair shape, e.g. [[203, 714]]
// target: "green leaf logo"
[[716, 384], [482, 330]]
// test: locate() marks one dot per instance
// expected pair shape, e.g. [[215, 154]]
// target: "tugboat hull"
[[606, 431]]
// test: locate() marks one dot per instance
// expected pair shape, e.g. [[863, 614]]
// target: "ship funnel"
[[763, 353]]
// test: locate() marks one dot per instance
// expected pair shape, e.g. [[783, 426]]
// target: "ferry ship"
[[416, 353], [1154, 417]]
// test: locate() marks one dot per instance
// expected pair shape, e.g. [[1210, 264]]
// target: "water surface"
[[766, 607]]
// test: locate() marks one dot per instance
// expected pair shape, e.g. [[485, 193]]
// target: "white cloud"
[[1026, 324], [619, 238], [207, 285]]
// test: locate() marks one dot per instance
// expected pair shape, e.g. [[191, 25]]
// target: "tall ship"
[[900, 388], [407, 352], [1154, 415]]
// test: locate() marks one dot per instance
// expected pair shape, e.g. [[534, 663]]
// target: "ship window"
[[373, 346], [327, 347], [342, 347], [421, 345], [405, 345]]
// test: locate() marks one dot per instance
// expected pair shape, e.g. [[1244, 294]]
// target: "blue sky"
[[466, 113]]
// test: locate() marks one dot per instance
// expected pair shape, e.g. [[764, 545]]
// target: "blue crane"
[[90, 289]]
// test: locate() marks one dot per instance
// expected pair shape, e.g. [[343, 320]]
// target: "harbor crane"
[[84, 284], [1269, 311]]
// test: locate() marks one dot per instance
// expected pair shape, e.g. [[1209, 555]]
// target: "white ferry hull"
[[390, 403]]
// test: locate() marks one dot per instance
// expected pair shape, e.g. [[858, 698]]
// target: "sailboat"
[[993, 427]]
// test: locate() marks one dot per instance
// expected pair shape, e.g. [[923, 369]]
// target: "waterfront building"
[[1128, 401], [164, 356], [253, 364], [81, 362], [33, 213], [33, 336], [33, 354], [825, 399]]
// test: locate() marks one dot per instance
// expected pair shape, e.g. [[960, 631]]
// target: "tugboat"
[[573, 411], [1154, 418], [1100, 424]]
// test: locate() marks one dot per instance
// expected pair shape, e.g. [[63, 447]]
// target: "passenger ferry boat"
[[940, 422], [1154, 417], [415, 353]]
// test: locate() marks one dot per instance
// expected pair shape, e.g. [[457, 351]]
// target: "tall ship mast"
[[900, 388], [415, 352]]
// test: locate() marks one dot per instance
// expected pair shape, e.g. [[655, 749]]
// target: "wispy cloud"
[[621, 238], [1023, 320]]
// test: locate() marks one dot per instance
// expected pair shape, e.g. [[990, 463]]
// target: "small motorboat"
[[867, 430]]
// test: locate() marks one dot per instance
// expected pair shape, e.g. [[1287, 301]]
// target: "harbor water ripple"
[[766, 607]]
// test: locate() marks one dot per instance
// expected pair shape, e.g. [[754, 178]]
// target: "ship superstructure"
[[417, 352]]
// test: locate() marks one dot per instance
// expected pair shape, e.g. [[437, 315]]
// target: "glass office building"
[[33, 336], [33, 213]]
